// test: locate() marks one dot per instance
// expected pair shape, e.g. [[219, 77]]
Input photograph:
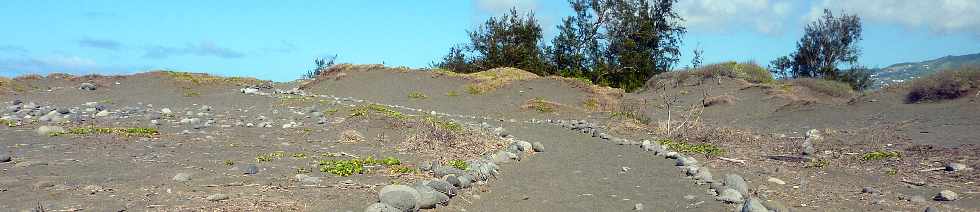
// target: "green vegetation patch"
[[444, 124], [540, 105], [828, 87], [383, 110], [270, 156], [459, 164], [704, 149], [880, 155], [356, 166], [8, 123], [417, 95], [129, 132]]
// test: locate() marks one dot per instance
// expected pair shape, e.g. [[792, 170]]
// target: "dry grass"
[[443, 140], [29, 77], [719, 100], [826, 87], [351, 136], [204, 79], [748, 71], [489, 80], [541, 105], [944, 85]]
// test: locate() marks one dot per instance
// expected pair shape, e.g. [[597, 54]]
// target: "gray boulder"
[[49, 130], [946, 195], [753, 205], [4, 158], [736, 182], [729, 195], [250, 169], [440, 171], [429, 197], [87, 86], [381, 207], [807, 148], [537, 147], [775, 206], [401, 197], [182, 177], [954, 167], [686, 161], [443, 186]]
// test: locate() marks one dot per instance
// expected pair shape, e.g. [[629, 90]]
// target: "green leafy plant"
[[399, 169], [391, 161], [704, 149], [880, 155], [342, 167], [299, 155], [229, 163], [459, 164], [818, 163], [417, 95]]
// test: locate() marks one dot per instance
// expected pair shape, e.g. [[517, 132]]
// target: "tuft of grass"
[[399, 169], [8, 123], [191, 94], [391, 161], [748, 71], [828, 87], [302, 170], [880, 155], [452, 94], [818, 163], [198, 78], [459, 164], [944, 85], [229, 163], [591, 104], [417, 95], [129, 132], [299, 155], [270, 156], [540, 105], [704, 149], [444, 124], [473, 89]]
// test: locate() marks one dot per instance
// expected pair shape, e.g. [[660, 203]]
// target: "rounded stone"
[[955, 167], [730, 196], [402, 197], [947, 195], [182, 177], [753, 205], [429, 197], [537, 147], [736, 182], [380, 207], [49, 130], [4, 158], [217, 197], [250, 169], [444, 187]]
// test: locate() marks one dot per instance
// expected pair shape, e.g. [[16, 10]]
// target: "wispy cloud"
[[764, 16], [52, 64], [946, 16], [100, 44], [200, 49]]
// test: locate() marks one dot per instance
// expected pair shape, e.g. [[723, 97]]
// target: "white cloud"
[[765, 16], [52, 64], [500, 6], [941, 16]]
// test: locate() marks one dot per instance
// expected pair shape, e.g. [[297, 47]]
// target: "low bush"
[[944, 85], [748, 71], [719, 100], [704, 149], [828, 87]]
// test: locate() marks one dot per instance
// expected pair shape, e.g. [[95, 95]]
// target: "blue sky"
[[278, 39]]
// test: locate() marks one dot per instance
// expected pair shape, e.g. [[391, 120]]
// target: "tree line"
[[624, 43]]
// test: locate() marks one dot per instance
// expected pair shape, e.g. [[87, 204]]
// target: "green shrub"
[[459, 164], [943, 85], [452, 93], [704, 149], [880, 155], [417, 95], [342, 167]]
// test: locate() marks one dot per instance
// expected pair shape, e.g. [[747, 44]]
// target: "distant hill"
[[902, 72]]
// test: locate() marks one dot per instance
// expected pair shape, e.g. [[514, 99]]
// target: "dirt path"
[[581, 173]]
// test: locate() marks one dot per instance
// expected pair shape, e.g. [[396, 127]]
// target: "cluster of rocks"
[[450, 180]]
